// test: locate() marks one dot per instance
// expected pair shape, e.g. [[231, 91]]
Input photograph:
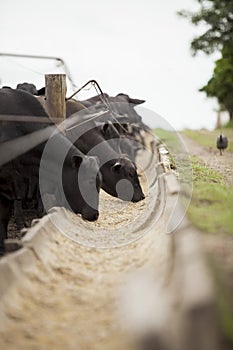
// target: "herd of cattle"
[[96, 149]]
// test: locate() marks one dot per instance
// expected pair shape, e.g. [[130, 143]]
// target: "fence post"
[[55, 96]]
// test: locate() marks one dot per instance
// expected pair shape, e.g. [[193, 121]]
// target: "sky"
[[138, 47]]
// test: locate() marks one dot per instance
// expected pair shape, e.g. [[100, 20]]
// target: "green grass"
[[225, 307], [212, 201], [203, 174], [174, 146], [211, 211], [208, 138], [211, 204], [210, 207], [169, 138], [229, 124], [166, 135]]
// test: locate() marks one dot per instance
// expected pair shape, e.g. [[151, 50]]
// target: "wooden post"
[[55, 96], [218, 123]]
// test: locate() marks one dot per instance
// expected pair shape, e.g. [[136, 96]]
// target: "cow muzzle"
[[90, 216], [138, 197]]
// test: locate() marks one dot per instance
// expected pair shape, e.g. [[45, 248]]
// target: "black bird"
[[222, 143]]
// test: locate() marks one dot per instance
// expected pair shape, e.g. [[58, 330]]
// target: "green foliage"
[[217, 15], [229, 125], [221, 83]]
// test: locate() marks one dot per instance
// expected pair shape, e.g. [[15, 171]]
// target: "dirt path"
[[222, 164]]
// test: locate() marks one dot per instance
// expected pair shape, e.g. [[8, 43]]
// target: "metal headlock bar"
[[45, 58], [93, 82], [103, 99]]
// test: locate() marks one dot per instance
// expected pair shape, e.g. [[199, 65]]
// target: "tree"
[[217, 15], [221, 83]]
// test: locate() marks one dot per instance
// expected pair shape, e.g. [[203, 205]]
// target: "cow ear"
[[136, 101], [41, 92], [116, 167], [76, 161]]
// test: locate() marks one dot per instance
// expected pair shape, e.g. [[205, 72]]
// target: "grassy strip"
[[225, 306], [211, 211], [211, 207], [170, 139], [173, 144], [212, 201], [208, 138]]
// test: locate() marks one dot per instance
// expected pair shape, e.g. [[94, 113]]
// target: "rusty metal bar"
[[90, 81], [27, 119]]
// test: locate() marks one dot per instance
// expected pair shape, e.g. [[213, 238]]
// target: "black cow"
[[118, 98], [120, 139], [122, 105], [98, 99], [115, 166], [113, 126], [86, 142], [119, 111], [80, 178], [31, 88], [125, 167], [124, 118]]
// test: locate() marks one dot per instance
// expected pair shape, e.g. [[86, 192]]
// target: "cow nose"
[[138, 198], [95, 216], [91, 217]]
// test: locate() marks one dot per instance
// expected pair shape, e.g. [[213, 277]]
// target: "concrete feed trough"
[[122, 282]]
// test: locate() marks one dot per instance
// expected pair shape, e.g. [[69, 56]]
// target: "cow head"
[[31, 88], [81, 185], [120, 179]]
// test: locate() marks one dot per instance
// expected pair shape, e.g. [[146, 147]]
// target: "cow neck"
[[97, 142], [91, 142], [61, 148]]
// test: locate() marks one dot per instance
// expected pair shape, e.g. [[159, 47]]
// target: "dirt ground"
[[219, 247]]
